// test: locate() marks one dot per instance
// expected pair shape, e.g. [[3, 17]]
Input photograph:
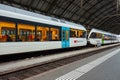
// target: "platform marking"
[[75, 74]]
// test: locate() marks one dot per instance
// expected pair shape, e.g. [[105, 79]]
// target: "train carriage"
[[101, 37], [22, 31]]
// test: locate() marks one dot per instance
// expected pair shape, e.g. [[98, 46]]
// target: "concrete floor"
[[108, 70]]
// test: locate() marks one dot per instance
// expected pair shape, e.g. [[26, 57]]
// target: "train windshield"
[[95, 35]]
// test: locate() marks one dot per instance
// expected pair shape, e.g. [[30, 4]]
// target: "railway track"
[[39, 69], [12, 57]]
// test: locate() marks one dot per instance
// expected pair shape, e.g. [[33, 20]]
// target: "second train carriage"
[[23, 31], [96, 37]]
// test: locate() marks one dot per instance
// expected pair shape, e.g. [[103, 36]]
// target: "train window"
[[26, 32], [54, 34], [42, 33], [81, 34], [7, 32], [96, 35], [77, 33], [93, 35], [67, 35], [108, 37], [114, 38], [73, 33]]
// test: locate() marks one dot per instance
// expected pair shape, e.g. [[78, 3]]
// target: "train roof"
[[12, 12], [101, 31]]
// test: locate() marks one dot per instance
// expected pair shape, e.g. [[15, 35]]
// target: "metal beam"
[[108, 16], [54, 2], [97, 10], [85, 2], [37, 3], [74, 12], [90, 8], [1, 1], [29, 5], [67, 7], [101, 13], [103, 16], [110, 28], [117, 6], [101, 21], [98, 19], [81, 8], [111, 21], [81, 3]]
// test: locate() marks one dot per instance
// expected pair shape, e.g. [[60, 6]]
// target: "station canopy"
[[100, 14]]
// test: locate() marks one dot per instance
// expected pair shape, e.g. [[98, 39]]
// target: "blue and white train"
[[23, 31]]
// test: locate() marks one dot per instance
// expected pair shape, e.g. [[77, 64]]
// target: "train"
[[23, 31], [99, 37]]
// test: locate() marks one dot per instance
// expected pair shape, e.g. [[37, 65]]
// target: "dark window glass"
[[95, 35]]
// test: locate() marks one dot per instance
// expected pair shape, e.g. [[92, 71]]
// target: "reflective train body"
[[101, 37], [23, 31]]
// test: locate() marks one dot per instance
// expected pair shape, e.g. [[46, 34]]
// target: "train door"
[[102, 38], [65, 37]]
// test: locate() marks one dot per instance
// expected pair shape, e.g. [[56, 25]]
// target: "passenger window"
[[25, 35], [96, 35], [7, 31], [26, 32], [107, 37], [73, 33], [99, 35], [77, 33], [80, 33], [42, 33], [54, 34]]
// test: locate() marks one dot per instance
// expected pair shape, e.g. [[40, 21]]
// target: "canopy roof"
[[100, 14]]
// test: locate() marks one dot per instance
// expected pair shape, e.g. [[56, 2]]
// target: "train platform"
[[26, 63], [103, 66]]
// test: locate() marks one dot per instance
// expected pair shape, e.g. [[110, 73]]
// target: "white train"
[[22, 31], [97, 37]]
